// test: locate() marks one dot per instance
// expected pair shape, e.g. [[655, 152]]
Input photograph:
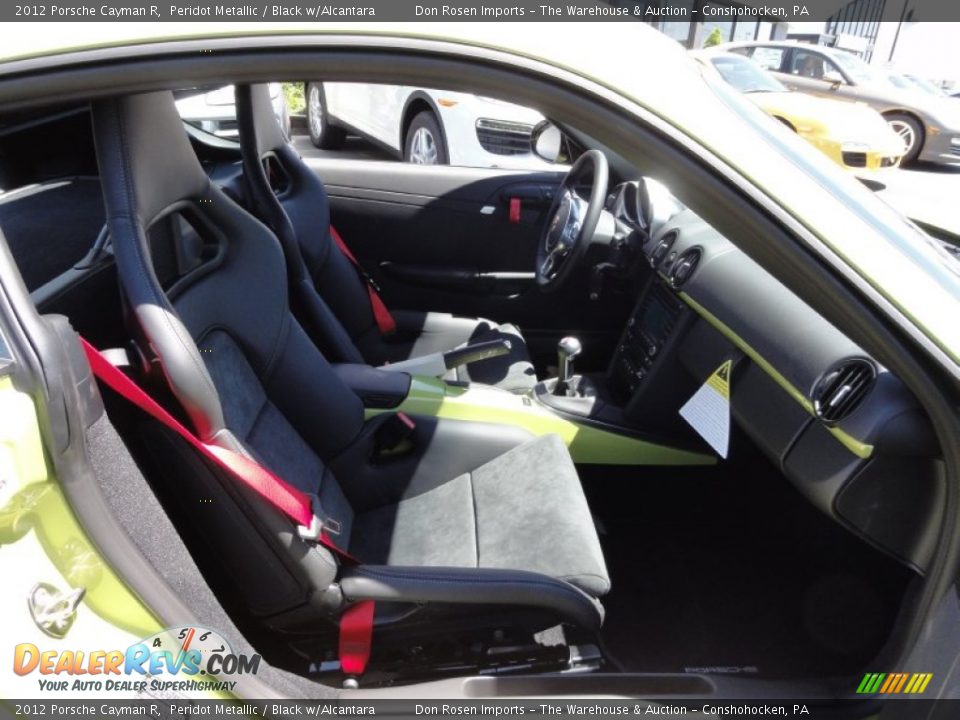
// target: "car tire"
[[424, 143], [323, 134], [908, 128]]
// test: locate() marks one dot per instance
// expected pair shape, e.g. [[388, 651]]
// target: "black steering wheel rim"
[[571, 221]]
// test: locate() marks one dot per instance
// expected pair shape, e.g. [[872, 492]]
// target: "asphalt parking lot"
[[926, 192]]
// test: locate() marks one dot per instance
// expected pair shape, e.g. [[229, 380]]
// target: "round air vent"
[[842, 389], [685, 265], [661, 249]]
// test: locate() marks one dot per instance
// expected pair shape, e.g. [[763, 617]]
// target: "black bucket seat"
[[473, 519], [292, 200]]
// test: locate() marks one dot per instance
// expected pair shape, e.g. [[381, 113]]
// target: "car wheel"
[[322, 133], [910, 131], [424, 143]]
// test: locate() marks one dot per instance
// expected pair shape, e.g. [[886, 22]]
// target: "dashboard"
[[839, 425]]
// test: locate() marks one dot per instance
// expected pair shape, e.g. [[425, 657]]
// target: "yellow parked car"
[[853, 135]]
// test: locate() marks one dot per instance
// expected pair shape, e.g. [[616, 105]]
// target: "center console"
[[648, 332], [643, 386]]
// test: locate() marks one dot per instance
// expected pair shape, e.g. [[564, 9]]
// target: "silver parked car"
[[929, 125]]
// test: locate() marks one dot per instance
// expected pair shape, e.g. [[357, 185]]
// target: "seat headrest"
[[144, 136]]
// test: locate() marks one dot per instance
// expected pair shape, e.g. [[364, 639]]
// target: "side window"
[[769, 58], [814, 66], [423, 126], [374, 121]]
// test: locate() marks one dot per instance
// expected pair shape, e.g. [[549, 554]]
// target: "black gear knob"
[[567, 349]]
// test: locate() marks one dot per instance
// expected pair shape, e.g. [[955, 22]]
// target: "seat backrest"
[[220, 328], [294, 203]]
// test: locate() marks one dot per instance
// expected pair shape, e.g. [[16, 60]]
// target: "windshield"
[[901, 82], [745, 75], [908, 254], [925, 85]]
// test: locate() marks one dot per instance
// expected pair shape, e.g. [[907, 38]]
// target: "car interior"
[[508, 461]]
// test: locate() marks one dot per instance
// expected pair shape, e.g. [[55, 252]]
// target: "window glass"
[[745, 75], [374, 121], [769, 58], [812, 65], [679, 31], [855, 67], [744, 30]]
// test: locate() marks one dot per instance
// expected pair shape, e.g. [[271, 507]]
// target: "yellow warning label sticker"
[[720, 380], [708, 411]]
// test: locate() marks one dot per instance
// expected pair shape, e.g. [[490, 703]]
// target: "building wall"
[[928, 49]]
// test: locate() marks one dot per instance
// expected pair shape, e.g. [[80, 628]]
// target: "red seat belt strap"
[[356, 636], [356, 623], [381, 315]]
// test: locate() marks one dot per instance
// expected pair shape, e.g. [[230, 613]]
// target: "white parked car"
[[215, 111], [428, 127]]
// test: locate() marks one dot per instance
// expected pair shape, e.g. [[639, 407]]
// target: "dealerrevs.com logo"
[[175, 660]]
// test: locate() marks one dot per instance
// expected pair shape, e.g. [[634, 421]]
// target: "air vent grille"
[[684, 267], [662, 248], [842, 389]]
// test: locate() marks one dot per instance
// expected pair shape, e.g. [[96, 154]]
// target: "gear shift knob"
[[567, 349]]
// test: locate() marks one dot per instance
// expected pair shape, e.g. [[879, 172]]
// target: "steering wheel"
[[571, 221]]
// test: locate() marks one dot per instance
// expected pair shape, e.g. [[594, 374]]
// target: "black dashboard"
[[841, 427]]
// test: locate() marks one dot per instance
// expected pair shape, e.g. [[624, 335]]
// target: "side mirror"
[[834, 78], [547, 141]]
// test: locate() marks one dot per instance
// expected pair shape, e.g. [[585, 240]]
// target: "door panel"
[[444, 239]]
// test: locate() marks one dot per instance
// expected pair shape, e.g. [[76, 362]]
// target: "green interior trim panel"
[[31, 499], [857, 447], [434, 397]]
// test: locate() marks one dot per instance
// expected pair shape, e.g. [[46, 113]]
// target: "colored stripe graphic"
[[903, 681], [891, 680], [894, 683]]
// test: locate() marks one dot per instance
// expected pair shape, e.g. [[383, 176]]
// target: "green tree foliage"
[[714, 38]]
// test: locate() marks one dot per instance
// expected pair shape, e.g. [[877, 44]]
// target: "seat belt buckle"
[[368, 278], [318, 523]]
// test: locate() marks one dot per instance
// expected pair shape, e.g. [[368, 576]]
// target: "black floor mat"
[[732, 568]]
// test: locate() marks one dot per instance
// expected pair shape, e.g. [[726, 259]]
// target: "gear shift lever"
[[567, 349]]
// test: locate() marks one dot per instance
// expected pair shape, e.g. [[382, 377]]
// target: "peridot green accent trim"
[[33, 501], [433, 397], [857, 447]]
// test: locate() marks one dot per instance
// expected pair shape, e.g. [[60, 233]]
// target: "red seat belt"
[[381, 314], [356, 623]]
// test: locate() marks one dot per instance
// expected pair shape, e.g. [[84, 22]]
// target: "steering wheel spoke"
[[572, 221]]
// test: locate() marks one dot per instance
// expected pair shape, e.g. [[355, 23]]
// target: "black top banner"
[[467, 11]]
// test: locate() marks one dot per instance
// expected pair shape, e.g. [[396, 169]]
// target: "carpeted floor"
[[730, 567]]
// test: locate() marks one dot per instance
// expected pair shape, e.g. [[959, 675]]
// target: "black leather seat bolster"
[[472, 586]]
